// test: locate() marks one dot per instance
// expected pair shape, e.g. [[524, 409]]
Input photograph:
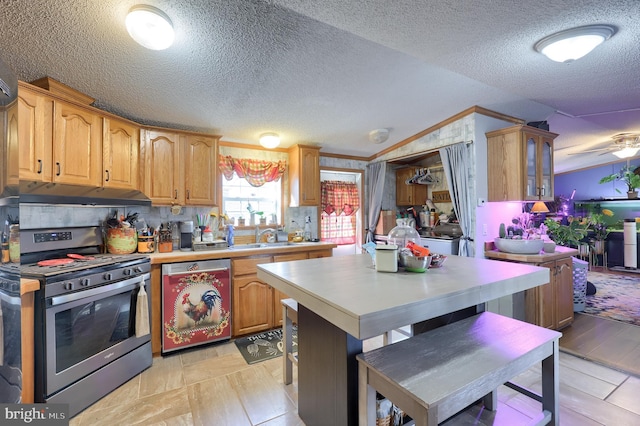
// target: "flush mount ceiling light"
[[379, 135], [150, 27], [572, 44], [269, 140]]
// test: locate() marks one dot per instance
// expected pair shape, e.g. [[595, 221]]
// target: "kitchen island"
[[343, 300]]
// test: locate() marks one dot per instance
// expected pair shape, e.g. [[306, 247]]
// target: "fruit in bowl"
[[519, 246]]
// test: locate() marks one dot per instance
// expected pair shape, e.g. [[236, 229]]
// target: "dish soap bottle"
[[307, 228]]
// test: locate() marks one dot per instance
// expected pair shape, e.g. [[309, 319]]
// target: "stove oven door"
[[87, 330]]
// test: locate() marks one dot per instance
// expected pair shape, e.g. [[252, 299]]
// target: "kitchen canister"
[[146, 244], [387, 258], [121, 240]]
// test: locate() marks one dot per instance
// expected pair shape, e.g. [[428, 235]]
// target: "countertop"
[[561, 252], [236, 251], [349, 293]]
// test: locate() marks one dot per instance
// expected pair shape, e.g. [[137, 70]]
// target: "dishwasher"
[[196, 303]]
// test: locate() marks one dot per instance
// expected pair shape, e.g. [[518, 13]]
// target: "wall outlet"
[[484, 229]]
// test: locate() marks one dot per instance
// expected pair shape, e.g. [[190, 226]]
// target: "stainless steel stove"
[[87, 335]]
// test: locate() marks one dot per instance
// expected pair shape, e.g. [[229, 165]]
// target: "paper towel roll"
[[142, 312]]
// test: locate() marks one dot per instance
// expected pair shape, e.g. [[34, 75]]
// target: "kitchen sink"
[[263, 245]]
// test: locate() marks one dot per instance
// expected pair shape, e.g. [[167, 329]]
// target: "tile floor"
[[215, 386]]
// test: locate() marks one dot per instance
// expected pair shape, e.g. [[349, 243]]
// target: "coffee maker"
[[186, 235]]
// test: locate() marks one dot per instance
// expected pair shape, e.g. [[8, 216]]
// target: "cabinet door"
[[121, 154], [77, 145], [404, 192], [304, 176], [163, 177], [547, 298], [564, 292], [539, 167], [201, 170], [10, 171], [310, 177], [35, 133], [545, 170], [252, 305]]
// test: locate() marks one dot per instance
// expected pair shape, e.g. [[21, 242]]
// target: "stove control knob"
[[127, 272], [137, 269], [15, 287], [108, 276], [68, 286], [85, 282]]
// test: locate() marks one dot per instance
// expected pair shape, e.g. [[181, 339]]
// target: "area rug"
[[263, 346], [617, 297]]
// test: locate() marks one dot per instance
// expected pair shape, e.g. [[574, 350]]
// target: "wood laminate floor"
[[215, 386]]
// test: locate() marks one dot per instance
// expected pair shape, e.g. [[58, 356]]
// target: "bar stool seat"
[[289, 317]]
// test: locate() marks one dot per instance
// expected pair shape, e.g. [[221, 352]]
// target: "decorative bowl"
[[437, 260], [519, 246]]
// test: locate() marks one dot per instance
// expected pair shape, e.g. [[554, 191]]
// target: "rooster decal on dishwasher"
[[204, 308]]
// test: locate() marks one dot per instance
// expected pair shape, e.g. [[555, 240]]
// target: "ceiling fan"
[[624, 145]]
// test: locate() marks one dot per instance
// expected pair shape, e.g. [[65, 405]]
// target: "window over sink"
[[238, 195]]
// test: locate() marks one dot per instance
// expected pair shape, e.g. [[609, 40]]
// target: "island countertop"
[[349, 293]]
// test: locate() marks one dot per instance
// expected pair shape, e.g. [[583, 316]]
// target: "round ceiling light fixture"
[[572, 44], [379, 135], [269, 140], [150, 27]]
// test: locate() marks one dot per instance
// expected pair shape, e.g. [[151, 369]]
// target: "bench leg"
[[551, 385], [490, 401], [287, 332], [366, 398]]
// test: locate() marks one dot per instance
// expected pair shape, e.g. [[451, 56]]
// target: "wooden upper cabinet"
[[58, 141], [120, 154], [10, 175], [163, 170], [77, 148], [35, 133], [201, 154], [409, 194], [304, 175], [520, 164]]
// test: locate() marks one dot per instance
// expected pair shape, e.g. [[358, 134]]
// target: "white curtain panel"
[[375, 182], [456, 160]]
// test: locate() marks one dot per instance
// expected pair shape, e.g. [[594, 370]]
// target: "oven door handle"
[[66, 298]]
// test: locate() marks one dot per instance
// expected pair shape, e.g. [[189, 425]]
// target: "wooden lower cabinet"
[[551, 305], [256, 305]]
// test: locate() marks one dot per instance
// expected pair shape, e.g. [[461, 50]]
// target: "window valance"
[[256, 172], [339, 197]]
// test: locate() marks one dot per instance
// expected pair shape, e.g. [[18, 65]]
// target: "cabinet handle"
[[176, 197], [39, 166], [188, 194], [542, 191], [107, 172], [58, 169]]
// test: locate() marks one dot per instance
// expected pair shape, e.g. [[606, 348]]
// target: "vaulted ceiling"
[[328, 72]]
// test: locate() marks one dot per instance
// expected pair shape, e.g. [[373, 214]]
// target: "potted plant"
[[566, 235], [627, 175], [600, 229]]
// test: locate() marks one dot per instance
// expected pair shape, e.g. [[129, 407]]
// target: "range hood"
[[55, 193]]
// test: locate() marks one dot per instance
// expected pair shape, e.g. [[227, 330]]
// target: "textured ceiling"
[[328, 72]]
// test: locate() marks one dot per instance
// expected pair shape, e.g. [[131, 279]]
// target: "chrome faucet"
[[270, 239]]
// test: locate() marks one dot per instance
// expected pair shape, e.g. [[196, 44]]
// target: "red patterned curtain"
[[256, 172], [339, 197], [339, 203]]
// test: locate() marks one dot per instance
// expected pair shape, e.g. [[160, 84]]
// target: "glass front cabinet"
[[520, 164]]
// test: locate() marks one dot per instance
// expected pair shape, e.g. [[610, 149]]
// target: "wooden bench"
[[289, 316], [434, 375]]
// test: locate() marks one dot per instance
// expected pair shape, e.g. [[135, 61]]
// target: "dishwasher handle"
[[197, 271]]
